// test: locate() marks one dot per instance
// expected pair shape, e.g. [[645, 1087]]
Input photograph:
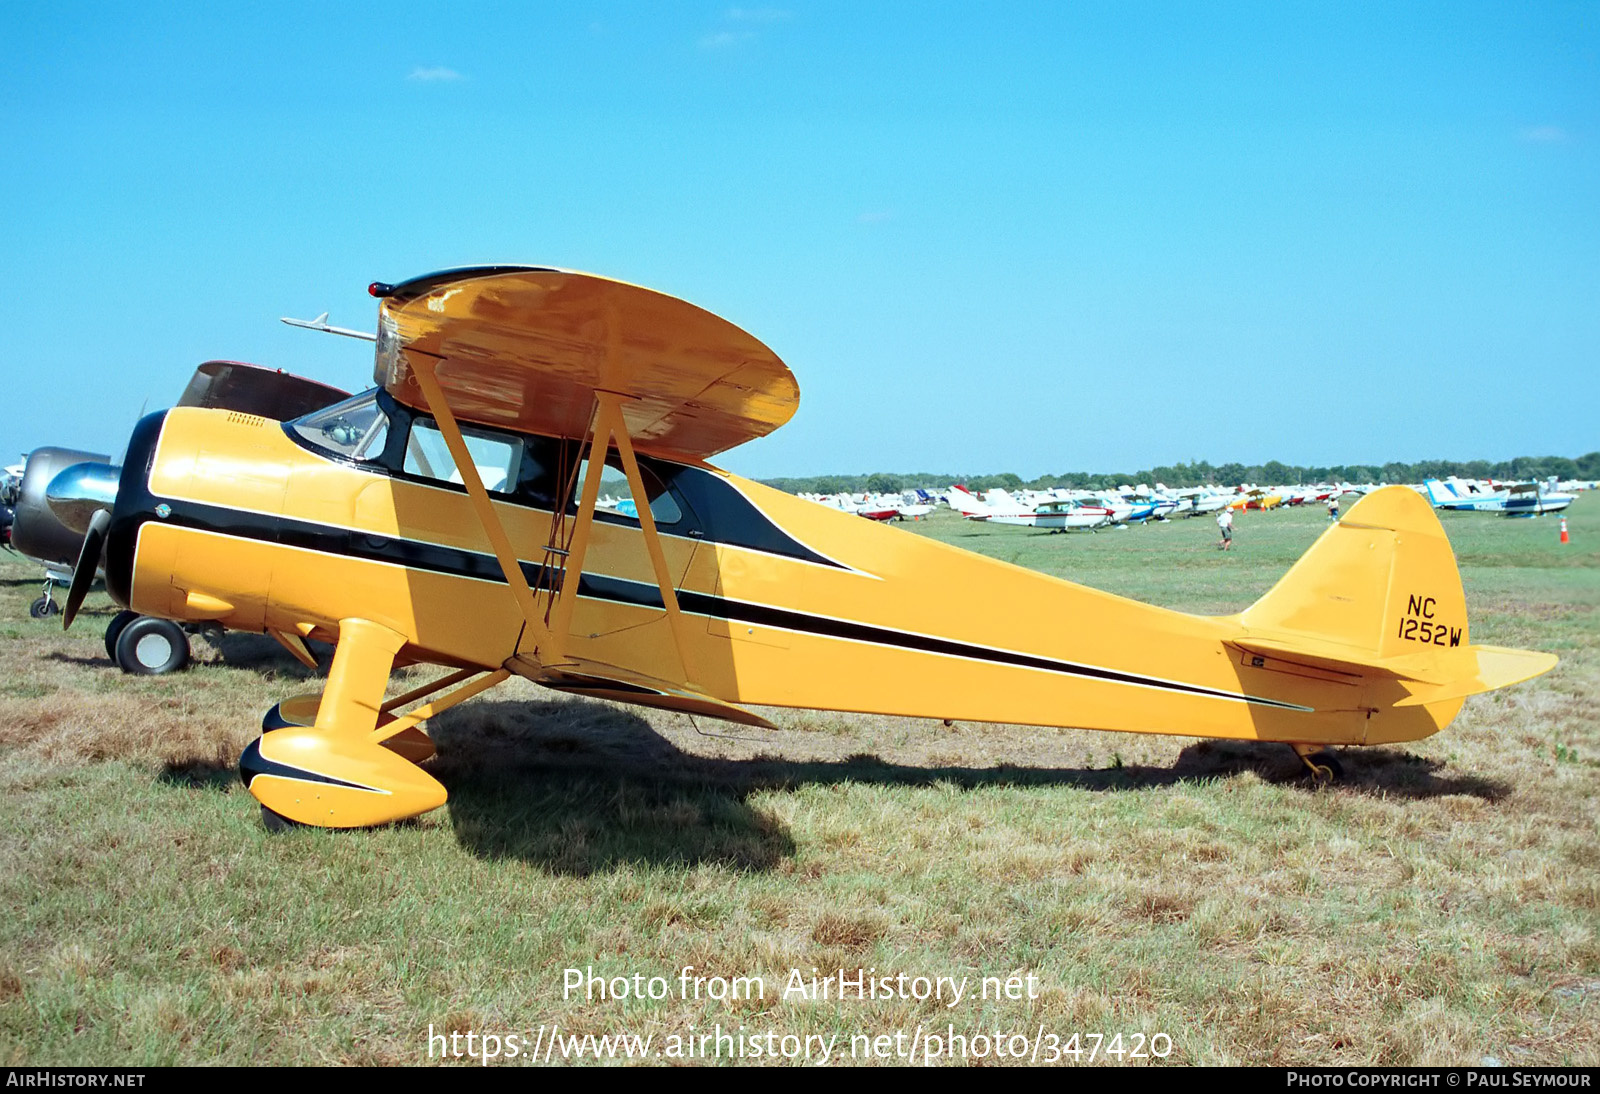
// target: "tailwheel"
[[1324, 766]]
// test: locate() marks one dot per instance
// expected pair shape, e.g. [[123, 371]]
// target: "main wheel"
[[114, 630], [149, 647], [277, 822], [43, 608]]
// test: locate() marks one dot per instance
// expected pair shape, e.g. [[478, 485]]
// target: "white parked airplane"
[[998, 507], [1520, 499]]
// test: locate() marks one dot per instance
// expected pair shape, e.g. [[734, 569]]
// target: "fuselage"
[[260, 526]]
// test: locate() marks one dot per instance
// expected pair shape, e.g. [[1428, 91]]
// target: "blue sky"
[[994, 237]]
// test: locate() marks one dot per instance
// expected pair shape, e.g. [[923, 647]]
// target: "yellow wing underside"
[[583, 676]]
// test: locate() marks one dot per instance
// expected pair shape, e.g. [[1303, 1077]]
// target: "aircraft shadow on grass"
[[578, 786]]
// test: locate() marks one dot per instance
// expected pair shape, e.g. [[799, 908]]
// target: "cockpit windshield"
[[355, 429]]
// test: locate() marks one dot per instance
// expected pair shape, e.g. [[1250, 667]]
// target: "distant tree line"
[[1204, 473]]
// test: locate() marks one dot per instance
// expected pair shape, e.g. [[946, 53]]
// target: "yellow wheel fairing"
[[314, 778], [411, 744]]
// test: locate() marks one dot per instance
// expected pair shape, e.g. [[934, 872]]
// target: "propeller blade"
[[94, 542]]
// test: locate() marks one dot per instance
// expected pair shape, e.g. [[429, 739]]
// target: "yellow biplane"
[[454, 515]]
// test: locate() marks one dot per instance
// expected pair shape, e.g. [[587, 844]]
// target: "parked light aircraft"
[[1060, 515], [998, 507], [450, 516], [879, 507], [1256, 499], [37, 533], [891, 507], [1518, 499], [1147, 506], [1122, 510], [1194, 502], [973, 507]]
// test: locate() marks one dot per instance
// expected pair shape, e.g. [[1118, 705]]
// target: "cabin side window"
[[498, 459], [616, 497], [374, 429]]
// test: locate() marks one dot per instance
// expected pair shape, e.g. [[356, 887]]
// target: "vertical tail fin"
[[1387, 561], [1379, 592], [965, 504]]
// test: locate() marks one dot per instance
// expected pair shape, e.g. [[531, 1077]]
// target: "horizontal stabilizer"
[[1336, 657], [1498, 667]]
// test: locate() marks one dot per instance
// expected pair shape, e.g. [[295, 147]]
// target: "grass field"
[[1440, 906]]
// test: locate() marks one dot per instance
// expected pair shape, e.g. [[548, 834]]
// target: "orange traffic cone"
[[1564, 530]]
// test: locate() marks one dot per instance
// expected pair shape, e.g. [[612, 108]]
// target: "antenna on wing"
[[321, 323]]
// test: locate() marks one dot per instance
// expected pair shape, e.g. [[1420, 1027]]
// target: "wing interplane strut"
[[547, 628], [423, 366]]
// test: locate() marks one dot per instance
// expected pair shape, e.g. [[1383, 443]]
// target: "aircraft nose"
[[78, 492]]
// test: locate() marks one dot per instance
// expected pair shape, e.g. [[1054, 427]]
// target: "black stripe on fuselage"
[[457, 562], [618, 590]]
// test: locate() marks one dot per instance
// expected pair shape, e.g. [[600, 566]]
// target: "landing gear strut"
[[45, 606]]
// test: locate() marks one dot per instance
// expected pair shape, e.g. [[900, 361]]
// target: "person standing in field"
[[1333, 507], [1225, 522]]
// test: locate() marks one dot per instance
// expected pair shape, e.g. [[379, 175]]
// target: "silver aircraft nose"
[[77, 493]]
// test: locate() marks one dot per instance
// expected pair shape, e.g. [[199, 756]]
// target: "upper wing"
[[526, 349]]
